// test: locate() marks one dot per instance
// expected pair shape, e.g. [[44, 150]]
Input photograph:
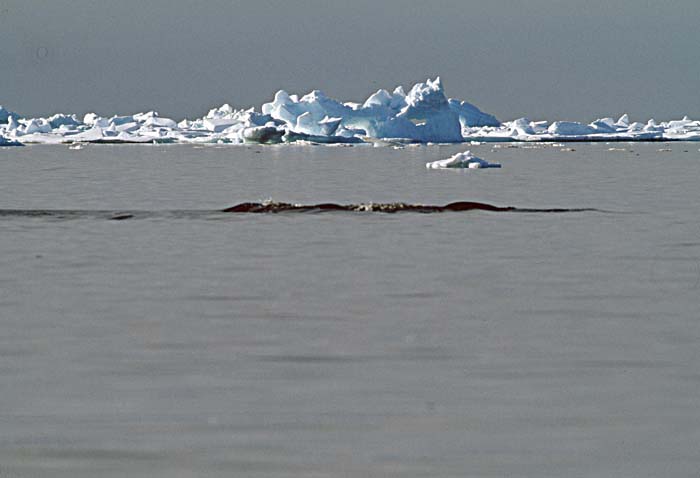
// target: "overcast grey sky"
[[538, 58]]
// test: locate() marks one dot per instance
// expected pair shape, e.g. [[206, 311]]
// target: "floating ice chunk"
[[462, 160]]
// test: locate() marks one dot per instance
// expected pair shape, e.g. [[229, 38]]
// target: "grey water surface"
[[187, 342]]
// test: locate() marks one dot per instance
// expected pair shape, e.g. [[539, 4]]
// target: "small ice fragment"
[[462, 160]]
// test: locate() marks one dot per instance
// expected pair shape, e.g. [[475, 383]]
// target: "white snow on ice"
[[605, 129], [423, 115]]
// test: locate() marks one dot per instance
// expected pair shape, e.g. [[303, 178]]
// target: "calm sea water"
[[186, 342]]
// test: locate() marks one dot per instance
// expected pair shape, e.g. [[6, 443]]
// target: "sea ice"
[[604, 129], [569, 128], [8, 142], [422, 115], [5, 115], [67, 121], [465, 160], [388, 117]]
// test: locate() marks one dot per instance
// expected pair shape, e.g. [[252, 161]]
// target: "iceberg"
[[465, 160]]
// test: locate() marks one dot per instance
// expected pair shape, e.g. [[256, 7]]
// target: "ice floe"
[[604, 129], [465, 160], [387, 118]]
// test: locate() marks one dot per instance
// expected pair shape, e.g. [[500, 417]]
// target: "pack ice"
[[605, 129], [422, 115]]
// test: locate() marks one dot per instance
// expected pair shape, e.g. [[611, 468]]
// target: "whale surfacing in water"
[[469, 206], [459, 206]]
